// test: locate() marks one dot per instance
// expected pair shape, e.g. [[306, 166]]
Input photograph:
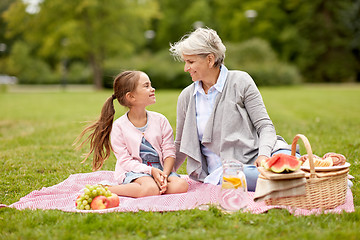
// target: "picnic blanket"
[[62, 197]]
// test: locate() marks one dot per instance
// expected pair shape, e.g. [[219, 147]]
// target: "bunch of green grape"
[[90, 192]]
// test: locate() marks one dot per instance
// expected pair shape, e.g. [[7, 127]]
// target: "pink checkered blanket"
[[62, 197]]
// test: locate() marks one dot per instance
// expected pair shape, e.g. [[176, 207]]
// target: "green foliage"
[[79, 73], [165, 72], [274, 74], [28, 69], [320, 38], [36, 151], [251, 51], [256, 57], [327, 55], [317, 36], [178, 18], [4, 5], [161, 67], [82, 29]]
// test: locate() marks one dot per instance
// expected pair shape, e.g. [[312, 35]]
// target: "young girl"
[[141, 140]]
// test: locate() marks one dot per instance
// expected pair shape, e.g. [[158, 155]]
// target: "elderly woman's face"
[[197, 65]]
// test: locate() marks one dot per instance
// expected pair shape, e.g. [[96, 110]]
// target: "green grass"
[[37, 130]]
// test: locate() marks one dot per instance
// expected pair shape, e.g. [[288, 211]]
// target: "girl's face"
[[144, 94], [198, 66]]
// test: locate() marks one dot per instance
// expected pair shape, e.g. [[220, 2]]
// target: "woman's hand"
[[259, 159], [160, 179]]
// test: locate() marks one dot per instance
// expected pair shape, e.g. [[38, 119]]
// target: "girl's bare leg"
[[176, 185], [141, 187]]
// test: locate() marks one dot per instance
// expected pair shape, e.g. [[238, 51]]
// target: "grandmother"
[[221, 115]]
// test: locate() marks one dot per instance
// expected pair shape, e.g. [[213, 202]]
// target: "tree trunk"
[[97, 72], [356, 53]]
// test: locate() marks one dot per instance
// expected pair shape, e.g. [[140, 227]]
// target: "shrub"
[[165, 72], [79, 73], [27, 68], [161, 68], [256, 57]]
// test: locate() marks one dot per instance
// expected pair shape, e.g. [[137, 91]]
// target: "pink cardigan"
[[126, 139]]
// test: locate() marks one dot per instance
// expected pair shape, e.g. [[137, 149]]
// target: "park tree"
[[89, 30], [352, 22], [320, 37], [329, 32], [4, 4], [4, 42], [178, 18]]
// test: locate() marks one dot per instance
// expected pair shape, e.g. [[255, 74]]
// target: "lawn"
[[37, 130]]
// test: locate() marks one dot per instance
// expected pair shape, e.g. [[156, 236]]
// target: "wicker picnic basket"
[[325, 191]]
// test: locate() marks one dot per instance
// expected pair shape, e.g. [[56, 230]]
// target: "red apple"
[[99, 202], [113, 200], [102, 202], [77, 199]]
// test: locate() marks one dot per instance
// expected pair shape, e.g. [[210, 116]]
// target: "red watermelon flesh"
[[282, 163], [271, 161]]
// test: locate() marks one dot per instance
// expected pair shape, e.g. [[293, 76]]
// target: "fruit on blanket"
[[264, 163], [99, 202], [114, 200], [280, 163], [102, 202], [76, 203], [90, 192]]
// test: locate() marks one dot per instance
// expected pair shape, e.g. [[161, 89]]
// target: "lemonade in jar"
[[233, 194]]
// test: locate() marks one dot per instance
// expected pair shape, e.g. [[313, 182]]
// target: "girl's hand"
[[160, 179], [168, 167], [259, 159], [163, 187]]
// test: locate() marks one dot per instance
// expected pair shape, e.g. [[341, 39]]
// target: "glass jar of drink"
[[233, 195]]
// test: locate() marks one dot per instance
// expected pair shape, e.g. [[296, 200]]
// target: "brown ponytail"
[[100, 137]]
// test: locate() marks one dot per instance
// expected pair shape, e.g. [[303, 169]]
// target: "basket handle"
[[308, 150]]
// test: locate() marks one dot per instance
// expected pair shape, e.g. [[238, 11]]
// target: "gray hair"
[[202, 41]]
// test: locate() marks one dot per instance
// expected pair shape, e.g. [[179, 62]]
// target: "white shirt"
[[204, 108]]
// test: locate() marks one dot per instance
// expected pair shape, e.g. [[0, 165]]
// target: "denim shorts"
[[153, 162], [286, 151], [131, 176]]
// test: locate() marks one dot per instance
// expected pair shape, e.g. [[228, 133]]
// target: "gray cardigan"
[[238, 128]]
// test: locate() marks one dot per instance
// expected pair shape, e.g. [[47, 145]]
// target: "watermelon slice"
[[281, 162], [270, 161]]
